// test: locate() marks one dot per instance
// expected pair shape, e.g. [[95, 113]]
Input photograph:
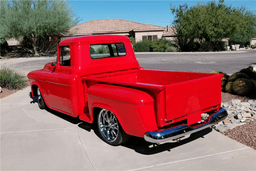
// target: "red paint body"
[[142, 100]]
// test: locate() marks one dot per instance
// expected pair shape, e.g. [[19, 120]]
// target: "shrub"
[[3, 47], [171, 49], [132, 40], [161, 45], [143, 46], [10, 79]]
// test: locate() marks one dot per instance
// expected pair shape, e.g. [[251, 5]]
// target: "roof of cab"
[[95, 38]]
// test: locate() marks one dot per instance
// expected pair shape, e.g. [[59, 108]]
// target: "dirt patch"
[[244, 134], [6, 92], [225, 97]]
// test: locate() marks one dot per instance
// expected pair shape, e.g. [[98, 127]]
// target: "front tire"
[[110, 129], [40, 101]]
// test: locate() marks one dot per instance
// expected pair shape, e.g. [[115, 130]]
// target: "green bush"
[[132, 40], [143, 46], [171, 49], [10, 79], [212, 46], [159, 45], [3, 47]]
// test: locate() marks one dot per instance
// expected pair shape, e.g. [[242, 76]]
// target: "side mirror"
[[54, 63]]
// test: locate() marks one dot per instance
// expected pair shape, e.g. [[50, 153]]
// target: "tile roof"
[[111, 26]]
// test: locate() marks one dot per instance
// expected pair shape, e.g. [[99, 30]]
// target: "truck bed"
[[178, 95]]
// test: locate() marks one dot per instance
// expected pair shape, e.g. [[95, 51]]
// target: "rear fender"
[[133, 108]]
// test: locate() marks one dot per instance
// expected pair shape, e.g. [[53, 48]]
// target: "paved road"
[[34, 139], [228, 62]]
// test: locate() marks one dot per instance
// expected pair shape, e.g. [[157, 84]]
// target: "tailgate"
[[191, 97]]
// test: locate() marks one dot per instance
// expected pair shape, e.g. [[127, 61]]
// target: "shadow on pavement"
[[135, 143], [141, 146]]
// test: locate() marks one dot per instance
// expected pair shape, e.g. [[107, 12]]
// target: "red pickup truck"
[[99, 80]]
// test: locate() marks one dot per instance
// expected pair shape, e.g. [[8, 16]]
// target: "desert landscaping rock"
[[239, 113]]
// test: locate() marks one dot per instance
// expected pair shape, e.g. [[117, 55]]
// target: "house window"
[[149, 37]]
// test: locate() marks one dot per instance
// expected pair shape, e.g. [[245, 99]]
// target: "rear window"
[[107, 50]]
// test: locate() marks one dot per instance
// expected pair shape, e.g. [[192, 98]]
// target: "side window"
[[64, 53], [107, 50]]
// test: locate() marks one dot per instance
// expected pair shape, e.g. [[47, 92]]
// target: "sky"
[[148, 12]]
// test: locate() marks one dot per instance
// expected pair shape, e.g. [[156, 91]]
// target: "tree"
[[35, 19], [208, 22], [246, 35]]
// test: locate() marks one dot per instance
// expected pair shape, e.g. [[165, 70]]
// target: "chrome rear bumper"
[[183, 131]]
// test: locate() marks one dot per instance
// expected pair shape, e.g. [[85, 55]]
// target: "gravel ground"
[[245, 134]]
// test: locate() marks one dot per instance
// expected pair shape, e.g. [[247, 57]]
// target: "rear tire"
[[110, 129], [40, 101]]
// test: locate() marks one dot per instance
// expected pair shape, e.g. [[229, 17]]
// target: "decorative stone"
[[239, 113], [246, 115], [252, 102], [245, 104], [222, 128], [235, 101], [238, 116], [226, 104], [226, 121]]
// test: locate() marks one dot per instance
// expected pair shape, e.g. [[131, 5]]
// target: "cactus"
[[249, 71], [242, 86], [254, 86], [228, 87], [224, 79], [237, 75]]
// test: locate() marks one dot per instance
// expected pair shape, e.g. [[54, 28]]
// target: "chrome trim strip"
[[184, 131]]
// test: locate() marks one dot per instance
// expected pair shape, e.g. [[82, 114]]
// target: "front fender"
[[133, 108]]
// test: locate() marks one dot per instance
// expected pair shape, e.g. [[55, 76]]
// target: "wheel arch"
[[97, 107], [133, 108]]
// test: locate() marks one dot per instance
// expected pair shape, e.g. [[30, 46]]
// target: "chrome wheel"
[[108, 125]]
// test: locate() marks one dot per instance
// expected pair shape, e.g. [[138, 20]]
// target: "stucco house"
[[137, 30]]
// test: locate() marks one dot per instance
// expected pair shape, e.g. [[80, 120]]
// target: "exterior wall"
[[253, 41], [138, 35], [172, 39], [14, 41]]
